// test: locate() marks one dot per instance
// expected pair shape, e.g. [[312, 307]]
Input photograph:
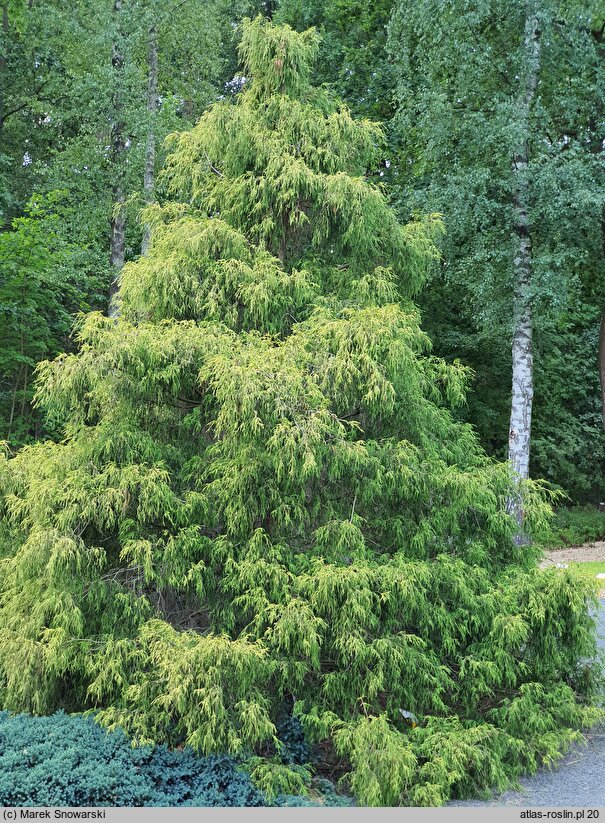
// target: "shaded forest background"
[[89, 92]]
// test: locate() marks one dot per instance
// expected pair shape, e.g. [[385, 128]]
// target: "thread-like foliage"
[[262, 498]]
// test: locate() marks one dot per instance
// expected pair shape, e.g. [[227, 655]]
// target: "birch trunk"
[[599, 148], [152, 105], [116, 251], [5, 29], [602, 331], [602, 364], [118, 147], [522, 359]]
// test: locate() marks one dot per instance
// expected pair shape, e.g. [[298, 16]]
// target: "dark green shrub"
[[294, 746], [575, 526]]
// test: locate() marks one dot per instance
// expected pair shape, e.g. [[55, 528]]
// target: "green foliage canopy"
[[353, 58], [44, 279]]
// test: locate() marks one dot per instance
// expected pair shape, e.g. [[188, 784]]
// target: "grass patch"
[[589, 569]]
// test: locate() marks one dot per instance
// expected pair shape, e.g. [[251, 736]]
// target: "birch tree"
[[78, 130], [175, 50], [500, 140], [522, 357], [117, 148], [150, 144]]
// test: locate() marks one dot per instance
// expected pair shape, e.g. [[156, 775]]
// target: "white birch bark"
[[522, 359], [5, 29], [152, 105], [602, 364], [602, 331], [118, 146]]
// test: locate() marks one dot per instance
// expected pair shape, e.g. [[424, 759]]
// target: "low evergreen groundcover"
[[66, 760]]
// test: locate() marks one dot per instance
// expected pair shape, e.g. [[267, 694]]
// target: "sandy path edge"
[[575, 554]]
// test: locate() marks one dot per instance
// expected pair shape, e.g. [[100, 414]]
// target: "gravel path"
[[575, 554], [579, 781]]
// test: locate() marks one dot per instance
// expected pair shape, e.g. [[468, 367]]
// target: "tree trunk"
[[152, 105], [522, 360], [118, 147], [602, 329], [3, 63], [602, 364], [116, 250], [11, 418]]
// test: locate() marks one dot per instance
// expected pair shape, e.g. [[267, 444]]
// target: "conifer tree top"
[[284, 179], [278, 59]]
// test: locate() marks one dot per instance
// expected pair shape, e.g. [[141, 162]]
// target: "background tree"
[[78, 120], [45, 280], [353, 60], [502, 139]]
